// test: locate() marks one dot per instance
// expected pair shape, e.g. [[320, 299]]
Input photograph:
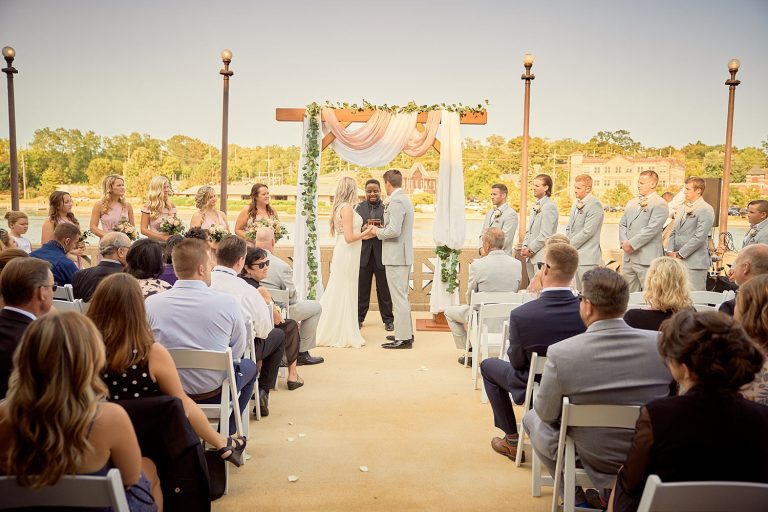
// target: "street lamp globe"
[[528, 59], [9, 52], [733, 65], [226, 55]]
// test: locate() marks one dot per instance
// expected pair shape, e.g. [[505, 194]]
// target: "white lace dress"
[[338, 322]]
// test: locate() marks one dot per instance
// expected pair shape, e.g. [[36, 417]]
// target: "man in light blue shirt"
[[192, 316]]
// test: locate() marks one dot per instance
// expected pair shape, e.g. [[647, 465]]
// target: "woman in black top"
[[255, 269], [667, 290], [678, 438]]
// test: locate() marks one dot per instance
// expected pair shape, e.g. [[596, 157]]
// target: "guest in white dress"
[[338, 325], [112, 208], [207, 215], [18, 224]]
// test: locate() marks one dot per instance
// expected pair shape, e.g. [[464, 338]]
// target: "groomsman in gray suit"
[[611, 363], [542, 223], [689, 238], [502, 216], [585, 226], [640, 230], [497, 271], [757, 214], [397, 255]]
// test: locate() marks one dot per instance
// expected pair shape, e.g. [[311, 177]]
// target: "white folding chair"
[[491, 316], [566, 473], [64, 293], [636, 298], [698, 496], [476, 300], [705, 307], [281, 299], [708, 298], [65, 305], [221, 361], [70, 491], [531, 390]]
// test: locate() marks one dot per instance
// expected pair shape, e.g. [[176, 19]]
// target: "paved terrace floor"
[[410, 416]]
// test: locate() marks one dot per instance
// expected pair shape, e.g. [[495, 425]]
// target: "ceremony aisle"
[[409, 416]]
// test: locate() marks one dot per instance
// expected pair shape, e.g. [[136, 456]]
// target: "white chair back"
[[70, 491], [698, 496], [566, 474], [476, 300], [490, 322], [64, 293], [705, 307], [65, 305], [708, 298], [636, 298], [531, 389]]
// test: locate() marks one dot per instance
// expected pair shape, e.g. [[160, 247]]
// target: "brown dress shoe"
[[504, 447]]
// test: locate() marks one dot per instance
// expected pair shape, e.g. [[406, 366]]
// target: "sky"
[[654, 68]]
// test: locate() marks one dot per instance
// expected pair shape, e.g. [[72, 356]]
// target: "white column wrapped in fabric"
[[449, 224], [301, 233]]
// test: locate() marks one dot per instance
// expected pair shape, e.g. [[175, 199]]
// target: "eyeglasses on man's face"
[[53, 287]]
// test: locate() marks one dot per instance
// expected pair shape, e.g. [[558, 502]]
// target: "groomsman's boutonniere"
[[643, 202], [536, 207], [752, 232], [385, 203], [580, 205], [689, 209], [496, 214]]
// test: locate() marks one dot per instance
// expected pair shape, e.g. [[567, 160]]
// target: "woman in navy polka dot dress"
[[136, 366]]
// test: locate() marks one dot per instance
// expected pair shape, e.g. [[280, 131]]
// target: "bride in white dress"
[[338, 325]]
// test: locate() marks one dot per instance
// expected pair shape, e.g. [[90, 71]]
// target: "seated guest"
[[254, 270], [113, 248], [65, 239], [533, 327], [168, 275], [611, 363], [192, 316], [305, 312], [64, 427], [751, 304], [202, 234], [497, 271], [145, 263], [535, 284], [752, 261], [27, 288], [7, 241], [667, 290], [10, 254], [136, 366], [269, 343], [711, 358]]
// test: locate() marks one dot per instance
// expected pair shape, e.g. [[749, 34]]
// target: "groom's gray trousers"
[[398, 277]]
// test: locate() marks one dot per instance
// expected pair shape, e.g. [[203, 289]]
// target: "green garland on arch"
[[449, 266], [308, 194], [411, 106]]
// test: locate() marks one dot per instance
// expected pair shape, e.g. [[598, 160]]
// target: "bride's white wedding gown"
[[338, 322]]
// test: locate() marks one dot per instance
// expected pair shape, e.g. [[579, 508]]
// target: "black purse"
[[217, 476]]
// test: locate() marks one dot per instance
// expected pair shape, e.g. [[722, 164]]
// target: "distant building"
[[607, 173], [416, 180], [756, 177]]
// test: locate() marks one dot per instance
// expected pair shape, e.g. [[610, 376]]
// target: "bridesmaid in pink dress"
[[112, 208], [157, 208], [60, 206], [207, 215], [257, 210]]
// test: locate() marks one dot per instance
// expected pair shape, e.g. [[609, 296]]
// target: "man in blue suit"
[[533, 327], [65, 238]]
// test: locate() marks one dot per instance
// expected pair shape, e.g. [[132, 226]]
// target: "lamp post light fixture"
[[527, 77], [226, 57], [9, 54], [733, 68]]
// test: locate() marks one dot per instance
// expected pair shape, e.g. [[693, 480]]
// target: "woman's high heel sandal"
[[236, 452]]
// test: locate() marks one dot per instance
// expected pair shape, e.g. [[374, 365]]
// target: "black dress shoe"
[[264, 404], [399, 344], [461, 360], [306, 359], [391, 337], [389, 326]]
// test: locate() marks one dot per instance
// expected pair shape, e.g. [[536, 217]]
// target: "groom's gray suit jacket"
[[397, 234]]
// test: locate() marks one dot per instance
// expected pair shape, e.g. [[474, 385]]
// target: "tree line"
[[61, 155]]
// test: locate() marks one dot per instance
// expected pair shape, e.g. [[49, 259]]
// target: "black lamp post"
[[226, 57], [9, 54]]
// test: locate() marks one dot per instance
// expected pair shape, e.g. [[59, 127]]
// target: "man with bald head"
[[305, 312], [113, 248], [752, 261]]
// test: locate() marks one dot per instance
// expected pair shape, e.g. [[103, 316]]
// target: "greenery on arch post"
[[310, 172], [449, 266]]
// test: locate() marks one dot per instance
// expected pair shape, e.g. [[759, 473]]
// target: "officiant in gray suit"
[[584, 227], [542, 223], [502, 216], [397, 255], [689, 238]]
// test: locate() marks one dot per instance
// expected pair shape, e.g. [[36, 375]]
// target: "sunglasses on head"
[[262, 264]]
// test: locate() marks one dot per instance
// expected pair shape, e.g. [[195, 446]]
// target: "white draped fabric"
[[376, 144], [449, 212]]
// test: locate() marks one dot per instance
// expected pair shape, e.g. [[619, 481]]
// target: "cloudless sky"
[[656, 68]]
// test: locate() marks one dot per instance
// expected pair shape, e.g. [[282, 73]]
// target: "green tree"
[[140, 168], [52, 178], [617, 196], [100, 167], [171, 167]]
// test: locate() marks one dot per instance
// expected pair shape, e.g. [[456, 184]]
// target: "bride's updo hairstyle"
[[714, 347], [346, 193]]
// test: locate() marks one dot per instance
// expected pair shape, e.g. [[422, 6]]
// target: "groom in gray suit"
[[611, 363], [585, 226], [689, 238], [397, 255]]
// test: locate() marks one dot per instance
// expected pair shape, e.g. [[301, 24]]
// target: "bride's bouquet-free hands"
[[369, 232]]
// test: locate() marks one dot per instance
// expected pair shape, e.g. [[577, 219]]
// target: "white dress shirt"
[[192, 316], [252, 304]]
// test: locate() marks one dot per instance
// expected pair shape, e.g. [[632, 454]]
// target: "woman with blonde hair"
[[134, 362], [667, 290], [157, 208], [207, 215], [112, 208], [18, 224], [60, 206], [63, 427], [259, 210], [752, 312], [338, 325]]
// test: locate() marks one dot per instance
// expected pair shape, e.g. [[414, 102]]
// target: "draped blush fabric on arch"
[[376, 144]]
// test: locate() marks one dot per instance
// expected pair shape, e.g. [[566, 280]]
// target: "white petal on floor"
[[291, 439], [293, 478], [364, 469], [302, 435]]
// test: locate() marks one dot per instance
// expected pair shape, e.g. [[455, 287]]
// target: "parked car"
[[734, 211]]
